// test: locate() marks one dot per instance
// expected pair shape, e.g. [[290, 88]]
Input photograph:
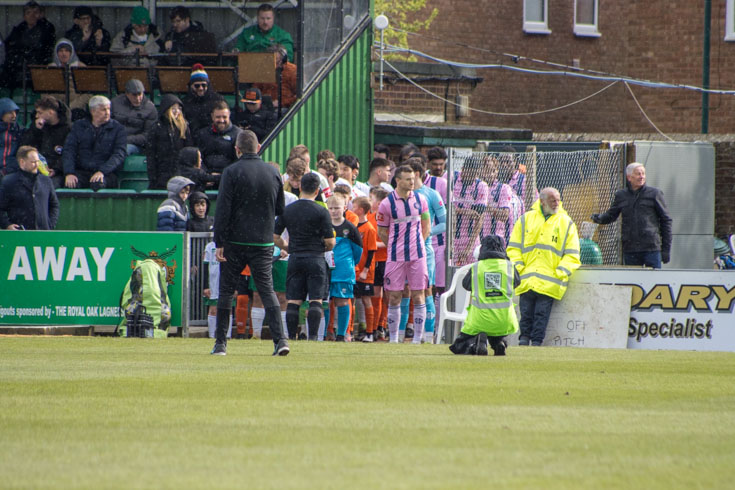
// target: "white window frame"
[[534, 26], [588, 30], [730, 20]]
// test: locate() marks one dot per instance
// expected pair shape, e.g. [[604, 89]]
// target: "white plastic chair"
[[460, 313]]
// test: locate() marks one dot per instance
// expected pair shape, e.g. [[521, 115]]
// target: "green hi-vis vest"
[[491, 305]]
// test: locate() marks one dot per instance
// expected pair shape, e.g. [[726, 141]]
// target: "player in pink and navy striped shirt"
[[404, 224]]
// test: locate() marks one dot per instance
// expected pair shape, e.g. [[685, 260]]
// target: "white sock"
[[360, 310], [419, 317], [429, 337], [322, 328], [257, 315], [394, 317], [283, 321], [211, 325]]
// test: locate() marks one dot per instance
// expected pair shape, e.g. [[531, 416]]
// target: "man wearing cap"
[[200, 100], [217, 141], [258, 37], [94, 149], [10, 135], [256, 117], [89, 36], [136, 113], [140, 38], [32, 40]]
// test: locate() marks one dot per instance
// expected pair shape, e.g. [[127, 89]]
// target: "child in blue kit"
[[347, 252]]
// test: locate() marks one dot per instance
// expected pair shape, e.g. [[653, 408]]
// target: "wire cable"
[[644, 113], [498, 113]]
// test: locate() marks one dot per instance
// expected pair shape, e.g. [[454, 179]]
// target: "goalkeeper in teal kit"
[[491, 315]]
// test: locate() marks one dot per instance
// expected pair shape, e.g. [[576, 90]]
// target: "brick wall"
[[659, 41]]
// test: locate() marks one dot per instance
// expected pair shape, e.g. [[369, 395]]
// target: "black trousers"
[[260, 260]]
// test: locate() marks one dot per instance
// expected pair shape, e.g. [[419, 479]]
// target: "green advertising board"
[[75, 278]]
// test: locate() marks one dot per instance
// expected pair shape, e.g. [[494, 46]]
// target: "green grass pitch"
[[88, 412]]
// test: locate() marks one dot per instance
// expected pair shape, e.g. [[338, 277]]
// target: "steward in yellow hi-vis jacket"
[[544, 246], [491, 314]]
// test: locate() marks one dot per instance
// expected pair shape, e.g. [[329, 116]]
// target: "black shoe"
[[302, 336], [340, 338], [536, 343], [481, 344], [219, 349], [409, 332], [282, 348], [524, 341], [500, 348], [241, 336]]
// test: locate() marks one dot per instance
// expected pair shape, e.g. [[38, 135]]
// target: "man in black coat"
[[200, 101], [32, 40], [256, 117], [27, 198], [646, 226], [185, 36], [250, 197], [217, 141], [51, 125]]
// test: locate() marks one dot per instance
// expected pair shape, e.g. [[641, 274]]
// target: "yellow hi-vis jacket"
[[545, 251], [491, 305]]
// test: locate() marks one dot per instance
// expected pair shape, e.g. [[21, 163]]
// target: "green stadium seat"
[[135, 163], [134, 184]]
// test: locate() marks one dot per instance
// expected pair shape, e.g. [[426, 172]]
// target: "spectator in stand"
[[89, 36], [256, 117], [94, 149], [172, 213], [51, 126], [199, 102], [260, 36], [167, 137], [134, 111], [27, 198], [189, 165], [31, 41], [65, 56], [11, 133], [289, 84], [186, 36], [200, 221], [217, 141], [139, 37]]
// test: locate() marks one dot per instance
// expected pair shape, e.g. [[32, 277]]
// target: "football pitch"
[[96, 412]]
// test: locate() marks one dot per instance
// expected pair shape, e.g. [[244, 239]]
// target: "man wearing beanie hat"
[[89, 36], [140, 36], [10, 134], [200, 100], [134, 111]]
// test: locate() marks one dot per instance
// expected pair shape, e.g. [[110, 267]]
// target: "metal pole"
[[705, 65], [381, 58]]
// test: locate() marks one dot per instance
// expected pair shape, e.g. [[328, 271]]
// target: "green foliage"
[[408, 16]]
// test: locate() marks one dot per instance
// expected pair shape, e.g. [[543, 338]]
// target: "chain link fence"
[[489, 191]]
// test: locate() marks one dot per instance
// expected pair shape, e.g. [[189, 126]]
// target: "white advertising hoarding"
[[674, 309]]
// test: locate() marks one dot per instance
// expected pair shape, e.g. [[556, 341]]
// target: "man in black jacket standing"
[[250, 197], [27, 198], [646, 226]]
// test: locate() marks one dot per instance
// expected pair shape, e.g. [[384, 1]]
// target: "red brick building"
[[654, 40]]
